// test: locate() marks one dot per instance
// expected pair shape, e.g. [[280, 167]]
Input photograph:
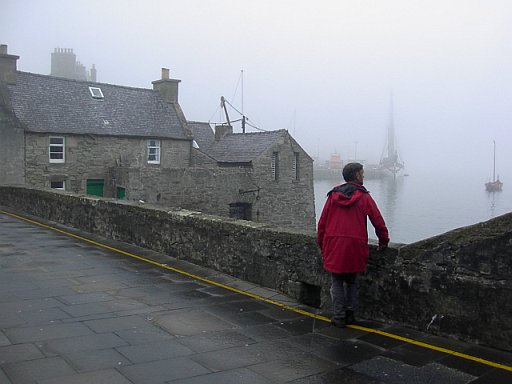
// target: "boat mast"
[[494, 162], [391, 131]]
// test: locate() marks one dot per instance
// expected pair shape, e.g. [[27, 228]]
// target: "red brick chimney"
[[7, 66], [167, 87]]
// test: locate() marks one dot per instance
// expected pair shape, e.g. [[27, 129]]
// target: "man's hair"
[[350, 170]]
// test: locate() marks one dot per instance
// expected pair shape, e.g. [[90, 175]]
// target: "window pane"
[[56, 140], [57, 184], [154, 151], [57, 155]]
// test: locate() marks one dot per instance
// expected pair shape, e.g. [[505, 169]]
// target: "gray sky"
[[322, 69]]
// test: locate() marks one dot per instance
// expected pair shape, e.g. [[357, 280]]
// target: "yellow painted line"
[[270, 301]]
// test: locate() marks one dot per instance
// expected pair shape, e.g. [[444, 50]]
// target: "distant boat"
[[391, 160], [495, 185]]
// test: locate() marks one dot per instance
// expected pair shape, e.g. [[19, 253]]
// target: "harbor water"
[[423, 205]]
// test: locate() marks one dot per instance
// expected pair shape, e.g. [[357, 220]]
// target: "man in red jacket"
[[343, 239]]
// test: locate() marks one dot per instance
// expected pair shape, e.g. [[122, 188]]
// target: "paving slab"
[[109, 376], [234, 376], [394, 372], [31, 371], [72, 313], [162, 371]]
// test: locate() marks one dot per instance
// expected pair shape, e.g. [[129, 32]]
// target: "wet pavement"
[[74, 312]]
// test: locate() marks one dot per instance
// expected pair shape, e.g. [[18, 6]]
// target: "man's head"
[[353, 172]]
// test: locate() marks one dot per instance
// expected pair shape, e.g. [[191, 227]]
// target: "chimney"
[[167, 87], [93, 73], [7, 66], [222, 130]]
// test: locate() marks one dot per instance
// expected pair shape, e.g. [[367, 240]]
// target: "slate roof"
[[240, 147], [56, 105], [203, 134]]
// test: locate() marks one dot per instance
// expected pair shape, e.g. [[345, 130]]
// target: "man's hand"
[[381, 247]]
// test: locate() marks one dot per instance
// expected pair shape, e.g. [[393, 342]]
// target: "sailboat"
[[391, 161], [495, 185]]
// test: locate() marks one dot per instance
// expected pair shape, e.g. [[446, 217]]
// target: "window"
[[275, 166], [295, 166], [154, 151], [240, 211], [96, 92], [57, 149], [58, 184]]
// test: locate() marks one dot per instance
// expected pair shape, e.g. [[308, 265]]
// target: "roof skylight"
[[96, 92]]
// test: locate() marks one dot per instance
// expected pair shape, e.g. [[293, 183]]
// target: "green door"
[[121, 193], [95, 187]]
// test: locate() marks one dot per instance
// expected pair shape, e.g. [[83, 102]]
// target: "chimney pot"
[[165, 73], [3, 49]]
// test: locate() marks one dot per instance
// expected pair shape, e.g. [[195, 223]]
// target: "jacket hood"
[[346, 194]]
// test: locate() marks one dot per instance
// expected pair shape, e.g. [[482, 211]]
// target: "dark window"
[[240, 211], [275, 166], [295, 166], [60, 184]]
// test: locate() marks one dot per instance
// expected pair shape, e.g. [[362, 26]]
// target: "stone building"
[[65, 64], [134, 143]]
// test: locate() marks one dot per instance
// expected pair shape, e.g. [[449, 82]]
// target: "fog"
[[324, 70]]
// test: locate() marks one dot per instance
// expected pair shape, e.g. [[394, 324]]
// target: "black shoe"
[[339, 323], [350, 318]]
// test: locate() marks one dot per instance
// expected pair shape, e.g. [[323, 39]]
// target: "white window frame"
[[63, 187], [275, 166], [57, 145], [153, 151], [96, 92]]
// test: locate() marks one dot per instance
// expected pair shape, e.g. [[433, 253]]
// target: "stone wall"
[[457, 284], [295, 207], [96, 157], [121, 162], [12, 144]]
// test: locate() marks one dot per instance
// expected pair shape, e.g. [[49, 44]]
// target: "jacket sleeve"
[[378, 222], [323, 222]]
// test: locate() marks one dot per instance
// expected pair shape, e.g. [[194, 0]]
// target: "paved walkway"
[[72, 312]]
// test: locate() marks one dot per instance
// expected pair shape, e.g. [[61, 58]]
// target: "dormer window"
[[96, 92]]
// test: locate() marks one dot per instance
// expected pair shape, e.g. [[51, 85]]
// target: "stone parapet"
[[457, 284]]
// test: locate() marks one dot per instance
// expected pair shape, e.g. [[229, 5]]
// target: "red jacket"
[[342, 231]]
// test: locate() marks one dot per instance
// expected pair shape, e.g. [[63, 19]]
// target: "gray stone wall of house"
[[97, 157], [197, 189], [12, 146], [121, 162], [295, 207], [214, 189], [457, 284]]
